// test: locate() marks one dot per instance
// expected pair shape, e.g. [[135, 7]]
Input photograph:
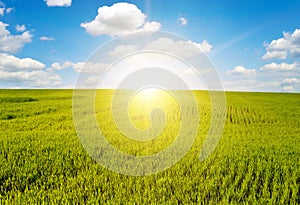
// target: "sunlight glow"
[[149, 93], [145, 100]]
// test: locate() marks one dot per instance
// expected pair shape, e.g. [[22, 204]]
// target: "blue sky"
[[255, 45]]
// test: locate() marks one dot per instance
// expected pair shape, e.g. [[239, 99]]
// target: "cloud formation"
[[12, 43], [26, 71], [119, 19], [288, 88], [58, 66], [122, 50], [183, 21], [283, 47], [65, 3], [12, 63], [240, 70], [183, 48], [85, 67], [289, 84], [38, 78], [46, 38], [279, 67], [4, 10], [289, 81], [20, 28], [8, 10]]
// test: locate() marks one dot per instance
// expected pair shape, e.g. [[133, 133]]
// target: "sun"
[[149, 93], [145, 100], [151, 97]]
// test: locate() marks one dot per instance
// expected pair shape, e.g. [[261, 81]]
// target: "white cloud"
[[78, 67], [183, 21], [26, 72], [88, 67], [119, 19], [264, 81], [282, 47], [150, 26], [275, 55], [289, 81], [288, 88], [8, 10], [20, 28], [58, 66], [241, 84], [2, 10], [240, 70], [12, 63], [58, 2], [91, 80], [85, 67], [183, 48], [279, 67], [205, 46], [192, 72], [46, 38], [253, 84], [123, 50], [39, 78], [12, 43]]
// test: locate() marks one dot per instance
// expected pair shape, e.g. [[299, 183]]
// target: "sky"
[[253, 45]]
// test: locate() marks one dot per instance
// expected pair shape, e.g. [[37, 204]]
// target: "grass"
[[257, 160]]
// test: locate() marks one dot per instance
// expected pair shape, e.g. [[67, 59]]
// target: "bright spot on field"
[[149, 93], [145, 101]]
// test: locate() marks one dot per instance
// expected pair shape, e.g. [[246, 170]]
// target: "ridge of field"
[[257, 160]]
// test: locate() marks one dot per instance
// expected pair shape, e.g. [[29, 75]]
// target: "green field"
[[257, 160]]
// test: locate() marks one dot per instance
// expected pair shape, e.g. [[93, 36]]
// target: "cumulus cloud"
[[279, 67], [37, 78], [85, 67], [205, 46], [119, 19], [12, 43], [4, 10], [65, 3], [91, 80], [46, 38], [122, 50], [183, 48], [12, 63], [88, 67], [274, 83], [20, 28], [58, 66], [240, 70], [150, 26], [183, 21], [289, 81], [27, 71], [288, 88], [282, 47]]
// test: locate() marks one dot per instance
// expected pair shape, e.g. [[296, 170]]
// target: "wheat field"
[[257, 160]]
